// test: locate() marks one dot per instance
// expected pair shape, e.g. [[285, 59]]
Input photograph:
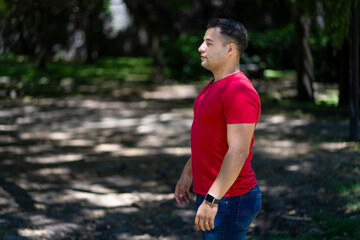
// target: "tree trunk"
[[344, 87], [305, 76], [85, 21], [88, 43], [23, 42], [354, 73], [207, 10], [41, 59], [42, 54], [151, 22], [158, 68]]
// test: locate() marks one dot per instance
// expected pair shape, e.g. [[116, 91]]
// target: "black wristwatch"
[[211, 199]]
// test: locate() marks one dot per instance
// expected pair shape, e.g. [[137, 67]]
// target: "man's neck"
[[225, 72]]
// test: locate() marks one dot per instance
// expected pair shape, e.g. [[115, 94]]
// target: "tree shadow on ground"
[[104, 168]]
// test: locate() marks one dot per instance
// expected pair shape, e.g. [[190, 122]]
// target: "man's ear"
[[231, 48]]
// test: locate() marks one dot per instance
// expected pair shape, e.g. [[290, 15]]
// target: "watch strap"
[[211, 199]]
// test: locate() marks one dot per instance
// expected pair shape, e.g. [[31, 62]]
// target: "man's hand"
[[182, 194], [205, 216]]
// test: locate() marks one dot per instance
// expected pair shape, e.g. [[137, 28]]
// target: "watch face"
[[209, 198]]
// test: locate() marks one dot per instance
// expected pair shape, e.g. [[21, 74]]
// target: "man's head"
[[224, 41], [233, 32]]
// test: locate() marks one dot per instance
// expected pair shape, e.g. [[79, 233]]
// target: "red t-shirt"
[[230, 100]]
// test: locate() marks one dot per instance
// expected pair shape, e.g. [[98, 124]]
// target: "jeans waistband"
[[254, 191]]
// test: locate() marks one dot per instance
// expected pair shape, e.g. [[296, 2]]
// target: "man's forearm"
[[230, 169], [187, 168], [182, 195]]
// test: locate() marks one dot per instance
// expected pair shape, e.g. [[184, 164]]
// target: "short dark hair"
[[233, 31]]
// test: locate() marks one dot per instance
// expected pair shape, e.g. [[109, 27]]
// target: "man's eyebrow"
[[209, 39]]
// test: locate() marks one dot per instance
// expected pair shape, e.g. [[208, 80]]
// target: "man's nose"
[[202, 47]]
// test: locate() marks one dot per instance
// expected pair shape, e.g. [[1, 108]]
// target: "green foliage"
[[182, 58], [273, 102], [343, 188], [328, 100], [269, 73], [337, 15], [41, 28], [337, 20], [181, 4], [275, 47], [287, 236], [306, 6], [346, 189], [19, 74], [3, 9], [325, 63], [7, 231], [341, 228], [332, 229]]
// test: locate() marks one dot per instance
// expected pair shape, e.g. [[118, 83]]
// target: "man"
[[225, 115]]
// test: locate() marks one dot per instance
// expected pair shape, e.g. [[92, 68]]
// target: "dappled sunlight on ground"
[[58, 158], [92, 168], [172, 92], [112, 199], [88, 159]]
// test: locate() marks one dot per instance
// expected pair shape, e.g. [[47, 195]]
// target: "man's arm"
[[239, 138], [182, 194]]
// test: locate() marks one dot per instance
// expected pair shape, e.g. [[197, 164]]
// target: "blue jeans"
[[234, 215]]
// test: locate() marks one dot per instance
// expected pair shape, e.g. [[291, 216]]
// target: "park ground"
[[105, 166]]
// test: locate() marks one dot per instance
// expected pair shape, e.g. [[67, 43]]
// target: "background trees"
[[95, 122], [311, 37], [42, 28]]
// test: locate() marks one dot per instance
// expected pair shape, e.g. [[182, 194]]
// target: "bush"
[[275, 47], [272, 49], [19, 76], [182, 58], [325, 62]]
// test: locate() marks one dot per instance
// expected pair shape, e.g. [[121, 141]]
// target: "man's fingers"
[[212, 224], [182, 198], [187, 196], [201, 225], [177, 198], [207, 225], [196, 223], [205, 218]]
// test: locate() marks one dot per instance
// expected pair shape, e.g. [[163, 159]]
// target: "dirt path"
[[95, 168]]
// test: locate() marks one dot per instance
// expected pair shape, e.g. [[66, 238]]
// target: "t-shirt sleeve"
[[241, 105]]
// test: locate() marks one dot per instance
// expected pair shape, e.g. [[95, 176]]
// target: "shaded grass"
[[341, 228], [349, 189], [7, 231], [337, 176], [271, 73], [19, 74], [340, 173], [331, 229], [114, 68], [293, 107], [338, 179]]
